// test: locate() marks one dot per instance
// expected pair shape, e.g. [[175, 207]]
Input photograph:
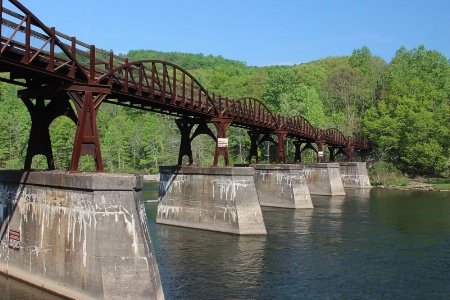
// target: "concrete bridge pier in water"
[[222, 199], [354, 175], [83, 236], [282, 186], [324, 179]]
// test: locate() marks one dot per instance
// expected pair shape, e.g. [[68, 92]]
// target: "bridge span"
[[56, 67]]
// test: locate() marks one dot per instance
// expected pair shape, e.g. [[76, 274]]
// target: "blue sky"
[[258, 32]]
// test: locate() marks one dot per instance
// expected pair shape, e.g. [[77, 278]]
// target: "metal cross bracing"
[[56, 67]]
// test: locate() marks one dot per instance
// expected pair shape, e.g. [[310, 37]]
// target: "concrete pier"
[[354, 175], [83, 236], [282, 186], [324, 179], [215, 198]]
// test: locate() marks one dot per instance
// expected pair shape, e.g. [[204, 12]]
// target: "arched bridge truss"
[[57, 69]]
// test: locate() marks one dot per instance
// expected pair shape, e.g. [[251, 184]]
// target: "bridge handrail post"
[[26, 58], [111, 60], [74, 53], [92, 64]]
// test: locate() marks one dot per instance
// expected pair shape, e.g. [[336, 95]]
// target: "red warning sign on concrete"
[[14, 238]]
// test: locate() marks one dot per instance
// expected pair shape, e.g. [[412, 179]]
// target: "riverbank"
[[422, 184], [151, 177]]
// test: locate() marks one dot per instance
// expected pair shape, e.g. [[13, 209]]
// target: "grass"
[[439, 183], [442, 186]]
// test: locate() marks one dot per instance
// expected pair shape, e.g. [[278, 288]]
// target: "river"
[[370, 244]]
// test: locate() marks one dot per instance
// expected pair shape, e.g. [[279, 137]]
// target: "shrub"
[[385, 173]]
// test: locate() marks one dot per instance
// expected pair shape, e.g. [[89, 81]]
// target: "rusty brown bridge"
[[56, 70]]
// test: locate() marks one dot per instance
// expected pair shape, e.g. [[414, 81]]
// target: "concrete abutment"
[[83, 236]]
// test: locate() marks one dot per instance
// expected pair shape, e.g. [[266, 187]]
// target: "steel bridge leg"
[[281, 151], [185, 144], [42, 116], [86, 136], [185, 126], [320, 155], [254, 135], [298, 152], [222, 141], [350, 149]]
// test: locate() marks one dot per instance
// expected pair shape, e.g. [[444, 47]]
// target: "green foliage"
[[62, 133], [386, 174], [280, 83], [409, 127], [438, 180]]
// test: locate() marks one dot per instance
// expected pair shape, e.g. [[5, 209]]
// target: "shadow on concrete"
[[12, 186]]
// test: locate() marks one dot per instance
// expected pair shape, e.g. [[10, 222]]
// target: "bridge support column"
[[256, 139], [253, 153], [354, 175], [222, 140], [281, 151], [41, 117], [324, 179], [185, 144], [216, 199], [80, 235], [320, 154], [185, 125], [282, 186], [298, 152], [350, 149], [87, 102]]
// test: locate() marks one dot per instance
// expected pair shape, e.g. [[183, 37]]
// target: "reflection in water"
[[235, 262], [13, 289], [360, 194]]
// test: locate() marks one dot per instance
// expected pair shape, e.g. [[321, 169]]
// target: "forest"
[[402, 107]]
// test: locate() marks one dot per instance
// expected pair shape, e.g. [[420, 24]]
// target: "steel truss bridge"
[[56, 70]]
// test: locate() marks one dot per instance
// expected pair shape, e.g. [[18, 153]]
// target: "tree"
[[345, 91], [279, 83], [410, 126], [303, 101]]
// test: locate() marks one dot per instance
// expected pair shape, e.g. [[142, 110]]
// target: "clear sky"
[[258, 32]]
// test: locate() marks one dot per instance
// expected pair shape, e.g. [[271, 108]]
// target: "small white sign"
[[222, 142], [320, 153], [14, 239]]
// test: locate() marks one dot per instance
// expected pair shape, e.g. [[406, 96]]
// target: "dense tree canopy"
[[409, 126], [402, 107]]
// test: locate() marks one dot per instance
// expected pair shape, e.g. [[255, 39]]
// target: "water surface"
[[370, 244]]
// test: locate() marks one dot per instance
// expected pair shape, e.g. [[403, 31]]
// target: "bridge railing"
[[53, 51], [250, 112], [358, 142], [21, 34], [300, 126], [334, 136]]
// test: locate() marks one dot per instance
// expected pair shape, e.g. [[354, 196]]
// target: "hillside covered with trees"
[[402, 107]]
